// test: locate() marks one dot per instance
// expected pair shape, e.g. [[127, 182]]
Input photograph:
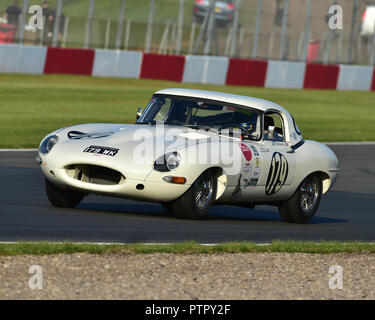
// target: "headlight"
[[48, 143], [167, 162]]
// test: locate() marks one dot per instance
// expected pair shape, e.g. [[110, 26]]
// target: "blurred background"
[[293, 30]]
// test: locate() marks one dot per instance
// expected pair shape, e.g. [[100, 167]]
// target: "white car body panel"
[[301, 158]]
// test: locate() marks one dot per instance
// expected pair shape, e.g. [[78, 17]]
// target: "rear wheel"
[[63, 198], [305, 202], [197, 201]]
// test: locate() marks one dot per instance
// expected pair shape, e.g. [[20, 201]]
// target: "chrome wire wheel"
[[302, 206], [309, 194], [203, 190], [196, 202]]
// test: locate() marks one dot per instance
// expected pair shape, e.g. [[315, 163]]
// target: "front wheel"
[[63, 198], [197, 201], [305, 202]]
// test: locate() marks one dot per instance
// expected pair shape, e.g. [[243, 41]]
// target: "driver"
[[247, 120]]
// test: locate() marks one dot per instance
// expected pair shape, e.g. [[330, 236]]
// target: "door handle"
[[291, 151]]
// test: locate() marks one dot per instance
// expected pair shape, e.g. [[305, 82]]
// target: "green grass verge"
[[45, 248], [32, 106]]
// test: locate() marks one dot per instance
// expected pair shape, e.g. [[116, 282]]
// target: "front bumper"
[[129, 189]]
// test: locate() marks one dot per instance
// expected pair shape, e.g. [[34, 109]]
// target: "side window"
[[273, 127]]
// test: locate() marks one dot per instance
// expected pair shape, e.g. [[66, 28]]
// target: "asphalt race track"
[[346, 213]]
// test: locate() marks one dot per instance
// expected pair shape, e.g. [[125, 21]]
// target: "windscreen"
[[202, 114]]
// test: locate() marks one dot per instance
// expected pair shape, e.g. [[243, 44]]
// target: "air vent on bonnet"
[[94, 174], [77, 135]]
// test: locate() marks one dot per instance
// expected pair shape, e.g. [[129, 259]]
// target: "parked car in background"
[[224, 11], [7, 31], [368, 21]]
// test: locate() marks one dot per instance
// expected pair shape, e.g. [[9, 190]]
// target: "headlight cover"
[[48, 143], [167, 162]]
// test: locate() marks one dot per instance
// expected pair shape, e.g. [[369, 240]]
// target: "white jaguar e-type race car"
[[191, 149]]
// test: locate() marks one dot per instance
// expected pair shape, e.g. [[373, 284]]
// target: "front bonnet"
[[136, 147]]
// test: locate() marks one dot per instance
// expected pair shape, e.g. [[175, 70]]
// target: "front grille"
[[94, 174]]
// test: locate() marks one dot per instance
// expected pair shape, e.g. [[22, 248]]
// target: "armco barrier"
[[162, 67], [355, 78], [69, 61], [243, 72], [194, 69], [116, 63], [22, 59], [205, 69], [190, 69], [318, 76], [285, 74]]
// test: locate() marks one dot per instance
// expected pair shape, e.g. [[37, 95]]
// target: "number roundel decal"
[[277, 175]]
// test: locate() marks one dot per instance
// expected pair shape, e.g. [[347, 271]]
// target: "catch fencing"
[[284, 30]]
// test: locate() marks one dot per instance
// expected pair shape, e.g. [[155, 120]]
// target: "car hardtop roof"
[[245, 101]]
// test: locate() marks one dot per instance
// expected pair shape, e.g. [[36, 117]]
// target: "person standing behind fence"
[[49, 19], [50, 25], [12, 13], [279, 9], [46, 27], [46, 14], [45, 8], [279, 12]]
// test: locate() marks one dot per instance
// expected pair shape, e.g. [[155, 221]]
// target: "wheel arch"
[[221, 179], [324, 178]]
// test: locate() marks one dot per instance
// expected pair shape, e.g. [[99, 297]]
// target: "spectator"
[[49, 25], [51, 21], [279, 12], [48, 18], [45, 8], [279, 8], [12, 13]]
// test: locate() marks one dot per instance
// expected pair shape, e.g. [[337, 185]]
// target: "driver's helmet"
[[249, 120]]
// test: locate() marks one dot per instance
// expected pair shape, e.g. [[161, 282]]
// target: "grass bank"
[[32, 106]]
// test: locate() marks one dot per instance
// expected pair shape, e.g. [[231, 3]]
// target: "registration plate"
[[102, 150]]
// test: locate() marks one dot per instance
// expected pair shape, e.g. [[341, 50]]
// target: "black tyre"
[[63, 198], [305, 202], [197, 201], [167, 206]]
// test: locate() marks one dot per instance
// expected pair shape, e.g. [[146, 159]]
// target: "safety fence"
[[186, 69], [288, 30]]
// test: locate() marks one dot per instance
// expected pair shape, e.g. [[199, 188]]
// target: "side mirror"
[[271, 132], [139, 113]]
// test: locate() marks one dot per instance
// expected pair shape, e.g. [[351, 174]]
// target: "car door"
[[277, 157]]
